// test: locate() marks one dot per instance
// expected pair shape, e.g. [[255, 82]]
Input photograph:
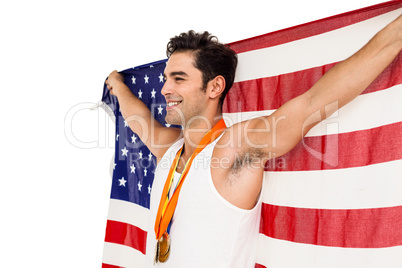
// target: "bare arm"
[[139, 118], [272, 136], [337, 87]]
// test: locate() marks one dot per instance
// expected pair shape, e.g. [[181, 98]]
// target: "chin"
[[173, 120]]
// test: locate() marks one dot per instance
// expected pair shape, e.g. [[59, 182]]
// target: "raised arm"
[[337, 87], [139, 118], [349, 78]]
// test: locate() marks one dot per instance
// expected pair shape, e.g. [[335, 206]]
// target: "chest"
[[180, 165]]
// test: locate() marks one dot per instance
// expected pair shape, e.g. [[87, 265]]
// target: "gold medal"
[[164, 247], [156, 258]]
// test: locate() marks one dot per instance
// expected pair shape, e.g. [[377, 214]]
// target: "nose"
[[166, 89]]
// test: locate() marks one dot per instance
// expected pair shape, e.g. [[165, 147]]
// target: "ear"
[[216, 86]]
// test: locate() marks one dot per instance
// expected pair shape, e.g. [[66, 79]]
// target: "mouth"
[[172, 104]]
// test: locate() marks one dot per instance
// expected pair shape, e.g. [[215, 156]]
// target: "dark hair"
[[210, 57]]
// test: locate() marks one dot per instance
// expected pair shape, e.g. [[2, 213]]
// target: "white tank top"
[[206, 230]]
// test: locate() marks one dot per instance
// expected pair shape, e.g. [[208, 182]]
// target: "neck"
[[194, 131]]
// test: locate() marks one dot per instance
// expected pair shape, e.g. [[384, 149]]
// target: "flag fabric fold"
[[335, 200]]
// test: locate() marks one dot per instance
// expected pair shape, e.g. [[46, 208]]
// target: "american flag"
[[133, 171], [335, 200]]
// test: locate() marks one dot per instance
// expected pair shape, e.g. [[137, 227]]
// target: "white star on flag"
[[160, 109], [122, 182], [153, 92], [161, 78], [124, 151], [140, 94], [145, 172], [133, 138], [146, 78], [132, 167], [133, 79], [139, 186]]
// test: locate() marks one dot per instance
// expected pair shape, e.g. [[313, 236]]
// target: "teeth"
[[172, 103]]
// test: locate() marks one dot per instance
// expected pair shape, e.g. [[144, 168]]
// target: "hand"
[[114, 79]]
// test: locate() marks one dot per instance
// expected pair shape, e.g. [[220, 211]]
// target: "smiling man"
[[205, 201]]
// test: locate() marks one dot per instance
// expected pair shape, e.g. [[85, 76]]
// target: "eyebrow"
[[176, 73]]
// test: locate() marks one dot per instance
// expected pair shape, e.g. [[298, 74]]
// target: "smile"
[[173, 103]]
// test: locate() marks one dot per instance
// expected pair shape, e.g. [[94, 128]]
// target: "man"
[[215, 222]]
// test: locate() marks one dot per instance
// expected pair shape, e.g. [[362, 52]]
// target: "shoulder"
[[237, 171], [169, 139], [164, 138]]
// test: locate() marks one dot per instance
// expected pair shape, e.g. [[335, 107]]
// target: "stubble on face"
[[186, 88]]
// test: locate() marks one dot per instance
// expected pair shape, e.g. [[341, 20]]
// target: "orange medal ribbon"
[[167, 206]]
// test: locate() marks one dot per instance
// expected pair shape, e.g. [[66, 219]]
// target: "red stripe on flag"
[[272, 92], [104, 265], [126, 234], [345, 150], [313, 28], [347, 228], [257, 265]]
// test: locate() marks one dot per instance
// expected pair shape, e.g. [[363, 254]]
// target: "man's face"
[[183, 89]]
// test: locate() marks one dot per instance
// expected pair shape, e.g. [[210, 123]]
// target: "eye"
[[178, 79]]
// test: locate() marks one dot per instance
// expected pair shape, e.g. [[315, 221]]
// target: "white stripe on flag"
[[275, 253], [364, 112], [371, 186], [128, 212], [123, 256], [310, 52]]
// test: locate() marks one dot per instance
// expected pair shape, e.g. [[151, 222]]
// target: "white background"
[[56, 154]]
